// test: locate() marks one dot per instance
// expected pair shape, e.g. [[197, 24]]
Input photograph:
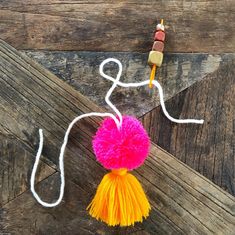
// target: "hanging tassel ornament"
[[120, 199], [121, 144]]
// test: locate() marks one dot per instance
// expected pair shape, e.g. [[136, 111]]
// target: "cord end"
[[201, 121]]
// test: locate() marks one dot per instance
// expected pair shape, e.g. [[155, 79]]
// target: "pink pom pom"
[[124, 148]]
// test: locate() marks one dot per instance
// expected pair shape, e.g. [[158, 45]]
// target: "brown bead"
[[158, 46], [159, 36]]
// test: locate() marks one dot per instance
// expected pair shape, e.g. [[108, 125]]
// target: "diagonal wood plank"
[[81, 70], [167, 215], [183, 201], [16, 161], [118, 25], [209, 148], [73, 207]]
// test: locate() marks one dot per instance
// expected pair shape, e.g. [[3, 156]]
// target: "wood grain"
[[183, 201], [209, 148], [192, 26], [81, 70], [162, 178], [16, 161]]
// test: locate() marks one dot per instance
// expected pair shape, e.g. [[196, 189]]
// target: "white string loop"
[[115, 82], [118, 122]]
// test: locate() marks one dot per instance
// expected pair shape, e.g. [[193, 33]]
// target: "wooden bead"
[[159, 36], [158, 46], [160, 27], [155, 57]]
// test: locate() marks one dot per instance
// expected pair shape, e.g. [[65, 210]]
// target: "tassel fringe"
[[119, 200]]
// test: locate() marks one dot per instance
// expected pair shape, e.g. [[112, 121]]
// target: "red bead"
[[158, 46], [159, 36]]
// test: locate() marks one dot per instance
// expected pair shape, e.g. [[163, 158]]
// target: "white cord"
[[139, 84], [115, 82], [61, 158], [118, 122]]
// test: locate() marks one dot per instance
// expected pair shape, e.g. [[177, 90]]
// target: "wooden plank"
[[16, 161], [81, 70], [183, 201], [161, 176], [192, 26], [209, 148]]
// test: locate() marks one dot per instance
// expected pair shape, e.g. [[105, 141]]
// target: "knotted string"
[[118, 122]]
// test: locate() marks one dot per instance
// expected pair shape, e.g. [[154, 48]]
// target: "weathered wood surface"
[[183, 201], [207, 148], [16, 161], [81, 70], [179, 71], [192, 26], [180, 205]]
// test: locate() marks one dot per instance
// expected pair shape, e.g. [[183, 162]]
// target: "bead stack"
[[156, 54]]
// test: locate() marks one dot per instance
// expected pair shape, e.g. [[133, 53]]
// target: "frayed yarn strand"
[[118, 122]]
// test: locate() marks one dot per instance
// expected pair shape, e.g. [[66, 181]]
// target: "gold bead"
[[155, 57]]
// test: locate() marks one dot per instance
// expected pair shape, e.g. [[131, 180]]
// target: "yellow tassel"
[[119, 200]]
